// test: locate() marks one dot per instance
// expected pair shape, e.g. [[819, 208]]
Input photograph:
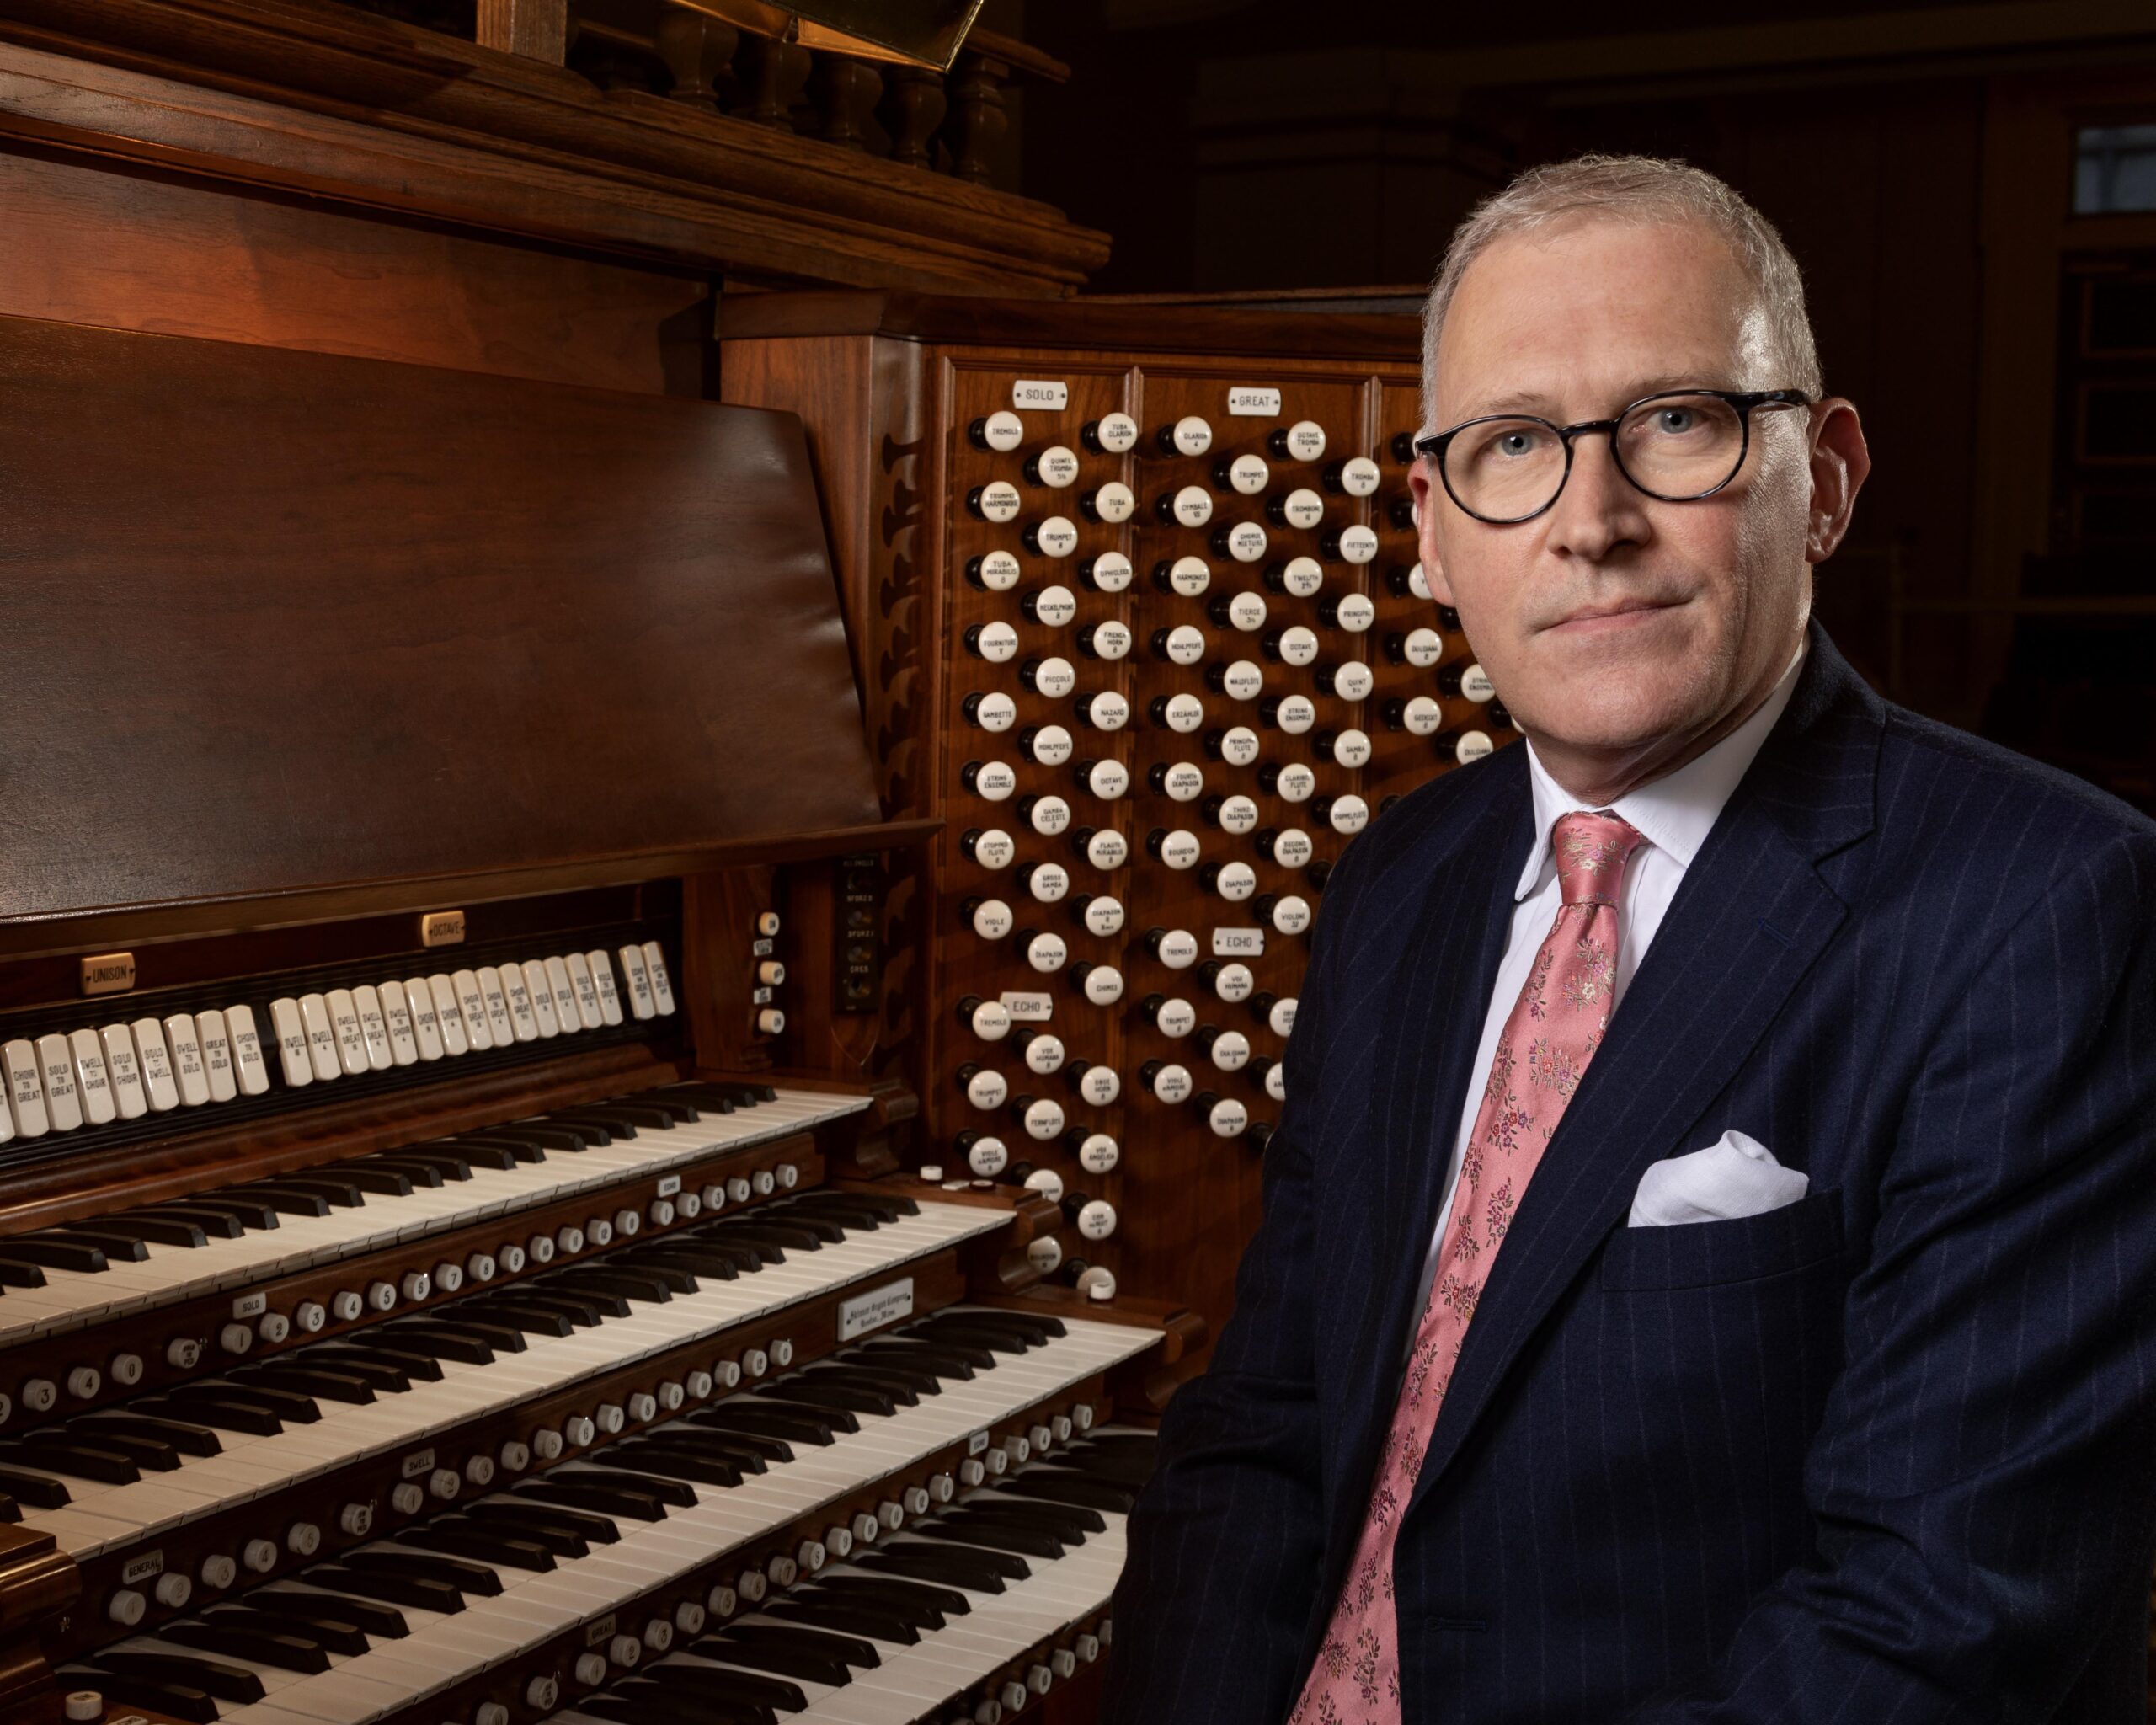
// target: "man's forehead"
[[1594, 305]]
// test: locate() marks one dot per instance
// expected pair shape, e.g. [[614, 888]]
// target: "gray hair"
[[1640, 190]]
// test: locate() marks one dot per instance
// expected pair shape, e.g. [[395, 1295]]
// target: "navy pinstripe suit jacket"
[[1886, 1455]]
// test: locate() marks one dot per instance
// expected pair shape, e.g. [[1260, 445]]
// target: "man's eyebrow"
[[1543, 406]]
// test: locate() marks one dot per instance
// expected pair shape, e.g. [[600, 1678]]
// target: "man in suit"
[[1708, 1247]]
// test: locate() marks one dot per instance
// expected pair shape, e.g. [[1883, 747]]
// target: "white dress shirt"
[[1674, 814]]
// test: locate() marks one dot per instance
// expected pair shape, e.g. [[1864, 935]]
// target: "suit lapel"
[[1750, 918]]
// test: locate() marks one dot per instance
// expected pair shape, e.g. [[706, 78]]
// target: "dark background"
[[1923, 161]]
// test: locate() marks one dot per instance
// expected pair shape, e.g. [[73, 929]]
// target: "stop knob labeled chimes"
[[1135, 606]]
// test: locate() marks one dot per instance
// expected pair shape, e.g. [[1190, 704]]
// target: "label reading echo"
[[1038, 395], [1238, 942], [1253, 404], [1028, 1008], [877, 1307]]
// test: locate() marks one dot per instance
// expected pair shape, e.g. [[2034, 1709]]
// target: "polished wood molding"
[[309, 97], [37, 1585], [538, 29]]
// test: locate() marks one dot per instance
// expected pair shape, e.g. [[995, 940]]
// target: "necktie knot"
[[1591, 851]]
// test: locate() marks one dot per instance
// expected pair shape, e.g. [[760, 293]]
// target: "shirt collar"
[[1674, 813]]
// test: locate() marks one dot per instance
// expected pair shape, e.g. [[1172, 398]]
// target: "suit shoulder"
[[2050, 820]]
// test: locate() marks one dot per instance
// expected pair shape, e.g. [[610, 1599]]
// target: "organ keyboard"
[[455, 1258]]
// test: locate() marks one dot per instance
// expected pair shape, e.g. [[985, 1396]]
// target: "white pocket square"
[[1737, 1176]]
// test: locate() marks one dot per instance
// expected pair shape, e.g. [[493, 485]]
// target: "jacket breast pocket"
[[1777, 1243]]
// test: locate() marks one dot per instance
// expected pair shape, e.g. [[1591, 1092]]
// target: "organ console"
[[1219, 661], [459, 1261]]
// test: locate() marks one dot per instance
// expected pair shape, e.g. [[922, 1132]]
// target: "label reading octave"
[[877, 1307], [1247, 402], [1238, 942], [1038, 395], [1028, 1008]]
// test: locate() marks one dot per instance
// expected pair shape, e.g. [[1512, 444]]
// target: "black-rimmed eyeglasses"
[[1676, 446]]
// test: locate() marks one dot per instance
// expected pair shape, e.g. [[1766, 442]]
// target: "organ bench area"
[[1134, 597], [452, 1267]]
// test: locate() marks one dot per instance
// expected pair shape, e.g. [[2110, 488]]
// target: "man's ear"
[[1840, 462], [1427, 504]]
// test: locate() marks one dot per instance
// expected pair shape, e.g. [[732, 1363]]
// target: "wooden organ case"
[[451, 1262], [1134, 598]]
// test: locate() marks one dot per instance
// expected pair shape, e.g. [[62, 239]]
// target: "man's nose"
[[1599, 510]]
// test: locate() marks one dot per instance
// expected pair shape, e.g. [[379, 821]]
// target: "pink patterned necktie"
[[1551, 1034]]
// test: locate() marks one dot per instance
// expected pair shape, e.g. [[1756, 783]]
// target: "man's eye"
[[1675, 421]]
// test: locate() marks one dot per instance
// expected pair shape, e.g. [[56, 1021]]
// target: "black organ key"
[[500, 1158], [417, 1591], [339, 1634], [648, 1285], [312, 1379], [661, 1461], [1059, 1487], [425, 1170], [80, 1458], [145, 1227], [747, 1446], [1024, 1542], [976, 1568], [156, 1453], [227, 1682], [764, 1691], [761, 1232], [903, 1386], [119, 1244], [687, 1255], [331, 1188], [611, 1126], [764, 1420], [203, 1404], [822, 1392], [852, 1652], [34, 1489], [376, 1619], [466, 1578], [500, 1337], [385, 1375], [850, 1617], [574, 1492], [282, 1648], [383, 1351], [459, 1536], [671, 1493], [189, 1438], [1069, 1522], [645, 1704], [53, 1253], [567, 1533], [288, 1405], [928, 1603], [436, 1341], [949, 1361], [248, 1213], [532, 1317], [16, 1273], [9, 1509], [825, 1228], [286, 1200]]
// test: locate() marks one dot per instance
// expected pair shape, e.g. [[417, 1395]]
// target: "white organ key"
[[125, 1072], [426, 1024], [156, 1061], [374, 1029], [63, 1102], [523, 1018], [569, 1014], [471, 1007], [542, 998], [250, 1066], [495, 996], [587, 991], [396, 1019], [639, 979], [25, 1089], [92, 1083], [321, 1037], [344, 1024], [188, 1070], [602, 980], [214, 1035], [443, 992], [662, 990]]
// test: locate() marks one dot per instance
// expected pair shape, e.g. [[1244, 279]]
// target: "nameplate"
[[417, 1462], [976, 1443], [670, 1185], [142, 1567], [251, 1304], [108, 973], [1028, 1008], [877, 1307], [1238, 942], [442, 928], [1040, 395], [1247, 402], [598, 1630]]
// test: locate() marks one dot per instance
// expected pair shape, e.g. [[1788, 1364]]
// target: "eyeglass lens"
[[1672, 446]]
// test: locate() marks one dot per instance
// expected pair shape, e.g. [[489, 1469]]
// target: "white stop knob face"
[[1171, 1084], [1183, 714], [1099, 1087], [1046, 1182], [1104, 984], [1114, 503], [996, 780], [1230, 1051], [1057, 536], [1045, 1254], [1246, 611], [1276, 1082], [988, 1156], [1358, 544], [1044, 1053], [1475, 685], [1472, 745], [1003, 431], [1111, 568], [1055, 605], [1233, 983], [997, 501], [1306, 441], [1422, 717], [1189, 576], [1280, 1017], [1291, 915], [1296, 714], [1303, 576], [1057, 465], [1418, 583], [1049, 815], [1107, 850], [996, 643], [1184, 782], [987, 1089], [1303, 508], [1296, 784], [998, 572], [1291, 849], [1238, 815], [1107, 779], [1047, 952], [995, 848], [1108, 711], [1111, 641], [1096, 1220], [1349, 814], [996, 712], [1248, 473], [1175, 1018], [1048, 883], [991, 919], [1104, 915], [1298, 645], [1247, 542], [1227, 1118], [991, 1021], [1352, 749], [1184, 644], [1239, 746], [1178, 948], [1356, 614], [1192, 506], [1116, 432], [1099, 1154], [1359, 477], [1044, 1118], [1052, 745], [1191, 435], [1236, 882], [1422, 649]]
